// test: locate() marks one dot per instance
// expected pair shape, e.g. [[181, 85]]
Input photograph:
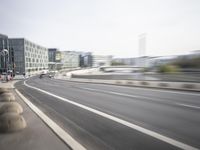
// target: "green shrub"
[[168, 69], [187, 62], [114, 63]]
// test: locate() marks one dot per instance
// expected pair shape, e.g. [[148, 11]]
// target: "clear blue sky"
[[105, 26]]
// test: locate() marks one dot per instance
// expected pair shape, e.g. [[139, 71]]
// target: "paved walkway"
[[8, 84], [36, 136]]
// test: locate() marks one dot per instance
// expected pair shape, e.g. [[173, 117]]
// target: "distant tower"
[[142, 50], [142, 44]]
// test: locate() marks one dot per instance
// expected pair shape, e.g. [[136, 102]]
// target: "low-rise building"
[[101, 60], [70, 59]]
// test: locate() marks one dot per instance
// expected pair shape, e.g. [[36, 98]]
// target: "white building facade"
[[70, 59], [101, 60]]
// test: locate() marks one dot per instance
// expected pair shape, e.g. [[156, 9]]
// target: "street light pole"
[[5, 53]]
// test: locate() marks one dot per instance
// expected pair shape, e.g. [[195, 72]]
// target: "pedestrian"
[[24, 74]]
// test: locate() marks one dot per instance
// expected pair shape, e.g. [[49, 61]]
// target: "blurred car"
[[50, 76]]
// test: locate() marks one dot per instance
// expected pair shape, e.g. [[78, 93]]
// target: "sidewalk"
[[36, 136]]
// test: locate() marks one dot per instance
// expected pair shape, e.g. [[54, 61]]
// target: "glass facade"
[[101, 60], [18, 48], [5, 60], [70, 59], [29, 57], [52, 54]]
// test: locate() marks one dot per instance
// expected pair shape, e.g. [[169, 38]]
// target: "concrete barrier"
[[163, 84], [10, 122], [151, 84], [10, 118], [79, 76], [188, 86], [144, 83], [10, 107], [7, 97], [3, 90]]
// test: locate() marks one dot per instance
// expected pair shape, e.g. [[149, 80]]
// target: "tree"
[[114, 63]]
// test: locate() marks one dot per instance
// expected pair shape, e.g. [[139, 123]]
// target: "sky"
[[106, 27]]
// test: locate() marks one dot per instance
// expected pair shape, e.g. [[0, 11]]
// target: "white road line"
[[175, 92], [155, 90], [190, 106], [133, 96], [123, 122], [57, 129], [121, 94]]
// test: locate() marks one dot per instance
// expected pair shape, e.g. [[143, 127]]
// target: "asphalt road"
[[173, 114]]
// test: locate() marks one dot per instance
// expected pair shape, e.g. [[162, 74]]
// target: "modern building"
[[63, 59], [29, 57], [86, 59], [70, 59], [160, 60], [101, 60], [3, 45], [54, 59], [52, 54], [144, 61], [23, 56], [6, 55]]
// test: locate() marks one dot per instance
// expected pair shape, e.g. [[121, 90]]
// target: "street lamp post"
[[5, 53]]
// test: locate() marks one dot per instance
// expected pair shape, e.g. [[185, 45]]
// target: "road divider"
[[78, 77], [137, 83]]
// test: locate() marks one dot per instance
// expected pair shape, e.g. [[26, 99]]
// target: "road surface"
[[119, 118]]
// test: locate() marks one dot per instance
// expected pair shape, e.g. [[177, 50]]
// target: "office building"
[[52, 54], [101, 60], [85, 59], [6, 55], [54, 59], [29, 58], [70, 59]]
